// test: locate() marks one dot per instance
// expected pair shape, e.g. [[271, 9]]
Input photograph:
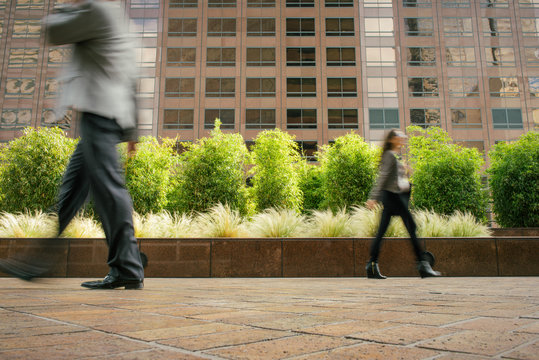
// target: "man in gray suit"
[[100, 84]]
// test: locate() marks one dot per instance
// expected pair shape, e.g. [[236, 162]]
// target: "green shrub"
[[211, 171], [514, 181], [148, 173], [276, 176], [32, 167], [311, 186], [446, 176], [348, 169]]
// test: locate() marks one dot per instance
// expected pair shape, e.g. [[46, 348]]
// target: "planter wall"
[[324, 257]]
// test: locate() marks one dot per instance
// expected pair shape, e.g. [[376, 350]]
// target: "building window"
[[308, 149], [466, 118], [421, 56], [456, 3], [301, 118], [300, 27], [220, 87], [379, 26], [181, 56], [145, 4], [146, 87], [343, 119], [143, 27], [497, 27], [339, 3], [535, 116], [380, 56], [342, 87], [503, 87], [418, 26], [3, 4], [417, 3], [183, 3], [507, 119], [20, 87], [221, 3], [178, 119], [500, 56], [384, 87], [301, 87], [180, 87], [261, 27], [30, 4], [425, 117], [463, 86], [300, 56], [494, 3], [1, 28], [260, 87], [51, 88], [226, 116], [472, 144], [423, 86], [260, 56], [59, 56], [378, 3], [530, 27], [15, 118], [299, 3], [532, 55], [26, 29], [458, 26], [528, 3], [182, 27], [260, 118], [221, 27], [341, 56], [460, 56], [23, 58], [221, 57], [340, 27], [384, 118], [146, 57], [260, 3], [534, 86]]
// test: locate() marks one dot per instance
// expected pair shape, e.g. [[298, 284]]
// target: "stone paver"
[[314, 318]]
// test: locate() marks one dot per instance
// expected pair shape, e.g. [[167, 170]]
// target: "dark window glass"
[[507, 118], [181, 56], [221, 27], [340, 27], [300, 27], [342, 119], [178, 118], [261, 27], [299, 3], [180, 87], [260, 3], [260, 118], [339, 3], [341, 56], [226, 116], [221, 57], [423, 86], [300, 57], [384, 118], [183, 3], [418, 26], [260, 56], [421, 56], [220, 87], [301, 118], [182, 27], [342, 87], [466, 118], [425, 117], [301, 87], [260, 87]]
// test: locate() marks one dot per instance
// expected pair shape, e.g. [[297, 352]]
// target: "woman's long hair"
[[387, 141]]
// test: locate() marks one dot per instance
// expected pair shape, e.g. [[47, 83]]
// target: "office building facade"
[[314, 68]]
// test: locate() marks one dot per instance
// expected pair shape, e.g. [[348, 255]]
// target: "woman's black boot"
[[373, 272], [425, 270]]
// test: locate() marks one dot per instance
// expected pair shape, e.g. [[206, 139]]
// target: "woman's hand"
[[371, 204]]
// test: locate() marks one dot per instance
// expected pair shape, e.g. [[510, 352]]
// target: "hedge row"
[[220, 169]]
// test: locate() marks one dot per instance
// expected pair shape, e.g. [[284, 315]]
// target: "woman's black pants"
[[395, 204]]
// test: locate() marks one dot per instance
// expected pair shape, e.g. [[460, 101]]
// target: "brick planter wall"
[[324, 257]]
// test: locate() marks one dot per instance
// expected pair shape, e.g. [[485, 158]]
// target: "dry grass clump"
[[219, 221], [28, 225], [277, 223]]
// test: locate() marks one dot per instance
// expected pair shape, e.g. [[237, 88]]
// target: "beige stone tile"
[[347, 328], [492, 324], [528, 352], [282, 348], [403, 334], [209, 341], [372, 352], [478, 342], [169, 333]]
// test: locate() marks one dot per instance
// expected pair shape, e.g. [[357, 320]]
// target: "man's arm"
[[72, 24]]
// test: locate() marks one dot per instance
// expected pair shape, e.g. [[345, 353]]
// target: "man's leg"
[[112, 201]]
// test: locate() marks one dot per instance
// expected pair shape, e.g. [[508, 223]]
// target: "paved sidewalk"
[[315, 318]]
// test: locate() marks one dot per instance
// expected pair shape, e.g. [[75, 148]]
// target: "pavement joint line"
[[521, 346], [461, 322]]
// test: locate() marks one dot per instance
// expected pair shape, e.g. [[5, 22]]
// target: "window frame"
[[179, 125], [223, 82], [261, 31], [423, 92], [341, 62], [220, 62], [462, 91], [183, 24], [260, 125], [420, 32], [301, 93], [301, 32], [180, 62], [340, 31], [180, 83], [225, 123], [222, 22], [261, 62], [466, 124], [302, 124], [301, 52], [342, 124], [507, 124], [425, 111], [259, 92], [342, 92], [385, 124]]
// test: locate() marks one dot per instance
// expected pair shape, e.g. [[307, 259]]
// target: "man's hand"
[[131, 148], [371, 204]]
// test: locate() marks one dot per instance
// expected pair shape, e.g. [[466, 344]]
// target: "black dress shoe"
[[111, 282], [21, 269]]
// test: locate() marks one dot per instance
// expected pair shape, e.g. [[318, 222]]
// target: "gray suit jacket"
[[101, 77], [390, 170]]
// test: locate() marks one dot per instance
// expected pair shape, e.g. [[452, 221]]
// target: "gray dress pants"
[[94, 170]]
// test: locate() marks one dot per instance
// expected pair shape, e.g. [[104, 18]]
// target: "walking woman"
[[392, 189]]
